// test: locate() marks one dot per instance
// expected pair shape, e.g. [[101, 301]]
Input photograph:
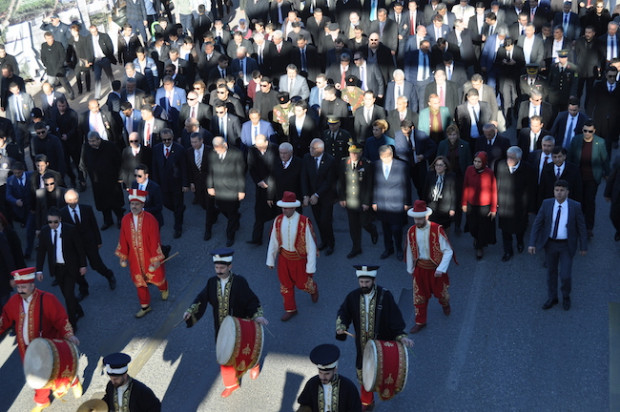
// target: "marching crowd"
[[323, 104]]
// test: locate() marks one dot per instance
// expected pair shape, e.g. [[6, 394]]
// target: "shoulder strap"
[[378, 312]]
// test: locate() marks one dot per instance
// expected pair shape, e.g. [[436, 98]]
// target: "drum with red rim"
[[50, 363], [239, 343], [384, 367]]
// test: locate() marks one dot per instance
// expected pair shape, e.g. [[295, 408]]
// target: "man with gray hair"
[[516, 197], [287, 174]]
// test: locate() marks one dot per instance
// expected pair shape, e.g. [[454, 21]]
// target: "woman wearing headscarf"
[[479, 202], [440, 192]]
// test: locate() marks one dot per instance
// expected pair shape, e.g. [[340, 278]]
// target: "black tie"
[[54, 242], [76, 218], [557, 222]]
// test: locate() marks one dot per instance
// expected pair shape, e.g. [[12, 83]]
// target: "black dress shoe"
[[506, 257], [106, 226], [550, 303], [112, 281], [353, 253], [566, 303], [329, 250], [80, 312], [374, 237], [74, 327], [322, 246], [386, 254], [254, 242], [617, 237], [400, 256], [207, 235], [520, 248], [81, 296], [177, 234]]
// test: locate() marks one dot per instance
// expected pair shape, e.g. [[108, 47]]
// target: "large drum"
[[50, 363], [384, 367], [239, 343]]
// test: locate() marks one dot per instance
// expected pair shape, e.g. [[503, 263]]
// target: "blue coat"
[[541, 229]]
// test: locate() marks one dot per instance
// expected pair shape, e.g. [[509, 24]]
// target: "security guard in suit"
[[354, 188], [562, 82]]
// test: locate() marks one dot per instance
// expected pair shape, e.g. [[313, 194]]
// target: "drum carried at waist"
[[50, 363], [384, 367], [239, 343]]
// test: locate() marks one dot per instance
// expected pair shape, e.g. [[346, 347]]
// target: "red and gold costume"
[[52, 324], [428, 251], [293, 239], [140, 245]]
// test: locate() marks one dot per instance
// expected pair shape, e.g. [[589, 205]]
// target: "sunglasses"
[[189, 99], [166, 140], [588, 131], [220, 112], [50, 184], [40, 133], [53, 221], [135, 175], [133, 141]]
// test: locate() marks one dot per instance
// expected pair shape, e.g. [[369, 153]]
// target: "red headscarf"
[[482, 155]]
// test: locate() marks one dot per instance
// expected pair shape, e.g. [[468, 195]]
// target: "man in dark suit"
[[103, 57], [461, 38], [400, 87], [612, 194], [302, 129], [282, 55], [569, 123], [100, 120], [287, 173], [150, 127], [197, 166], [558, 228], [446, 90], [226, 124], [83, 218], [369, 75], [306, 57], [530, 138], [560, 169], [365, 116], [318, 176], [170, 172], [493, 144], [154, 203], [391, 199], [354, 189], [569, 21], [605, 102], [417, 69], [417, 149], [375, 52], [516, 197], [437, 29], [196, 110], [262, 159], [387, 29], [64, 247], [48, 98], [534, 107], [472, 113], [509, 62], [402, 112], [225, 183]]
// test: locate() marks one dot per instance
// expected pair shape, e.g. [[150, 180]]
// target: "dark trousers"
[[585, 84], [359, 219], [73, 154], [230, 209], [588, 202], [99, 66], [262, 213], [66, 281], [392, 236], [54, 80], [507, 239], [614, 215], [107, 215], [95, 262], [78, 78], [22, 135], [559, 261], [323, 213], [173, 200]]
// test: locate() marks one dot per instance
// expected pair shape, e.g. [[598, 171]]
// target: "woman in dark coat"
[[479, 202], [458, 154], [440, 192]]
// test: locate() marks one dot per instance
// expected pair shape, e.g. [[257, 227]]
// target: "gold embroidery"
[[368, 334], [388, 344], [389, 380], [224, 300], [241, 366], [246, 351]]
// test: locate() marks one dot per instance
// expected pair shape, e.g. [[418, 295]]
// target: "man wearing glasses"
[[195, 109], [534, 107], [226, 124], [588, 151]]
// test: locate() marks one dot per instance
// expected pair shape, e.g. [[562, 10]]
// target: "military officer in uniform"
[[562, 82], [532, 79], [281, 116], [328, 391], [353, 94], [336, 139], [354, 187]]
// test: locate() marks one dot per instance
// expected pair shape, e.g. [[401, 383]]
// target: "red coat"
[[55, 321], [141, 248], [480, 189]]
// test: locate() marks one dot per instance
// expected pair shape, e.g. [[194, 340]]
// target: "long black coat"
[[389, 326], [448, 199], [141, 399], [53, 58], [348, 395], [289, 179], [243, 303], [261, 168], [102, 165], [516, 196], [227, 176], [129, 163]]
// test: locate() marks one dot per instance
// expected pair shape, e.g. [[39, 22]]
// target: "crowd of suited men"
[[344, 103]]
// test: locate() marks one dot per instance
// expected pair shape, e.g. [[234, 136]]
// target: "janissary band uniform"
[[139, 243], [428, 257], [328, 391], [36, 314], [293, 241], [228, 294], [374, 314], [124, 393]]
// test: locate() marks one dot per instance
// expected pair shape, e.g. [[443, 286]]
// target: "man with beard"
[[124, 392], [328, 390], [428, 256], [102, 161], [378, 304]]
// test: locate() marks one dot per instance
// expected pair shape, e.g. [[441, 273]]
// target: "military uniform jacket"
[[238, 300], [562, 85], [355, 186], [345, 397], [390, 325], [140, 398]]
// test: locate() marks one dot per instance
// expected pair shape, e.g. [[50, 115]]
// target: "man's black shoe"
[[386, 254], [353, 253], [550, 303]]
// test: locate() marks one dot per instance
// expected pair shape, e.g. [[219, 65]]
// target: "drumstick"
[[349, 333], [264, 326], [169, 257], [178, 323]]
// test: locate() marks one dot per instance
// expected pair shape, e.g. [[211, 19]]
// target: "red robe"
[[141, 248], [55, 321]]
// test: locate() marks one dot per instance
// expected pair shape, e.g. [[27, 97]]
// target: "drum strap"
[[378, 312], [41, 315]]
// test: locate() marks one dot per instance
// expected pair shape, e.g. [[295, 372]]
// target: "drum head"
[[225, 344], [38, 363], [369, 366], [405, 351]]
